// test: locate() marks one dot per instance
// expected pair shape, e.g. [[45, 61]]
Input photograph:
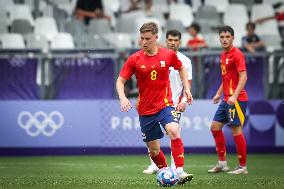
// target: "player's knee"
[[236, 130], [173, 132], [154, 152], [216, 126]]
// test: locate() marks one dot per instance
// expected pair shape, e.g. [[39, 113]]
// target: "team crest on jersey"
[[163, 63], [227, 61]]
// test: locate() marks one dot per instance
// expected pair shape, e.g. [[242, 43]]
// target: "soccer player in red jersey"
[[154, 105], [231, 110]]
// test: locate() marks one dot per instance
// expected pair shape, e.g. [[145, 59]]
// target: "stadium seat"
[[125, 25], [184, 39], [20, 12], [221, 5], [272, 42], [268, 27], [207, 28], [30, 3], [195, 5], [271, 2], [21, 26], [47, 11], [12, 41], [174, 24], [99, 26], [113, 5], [236, 16], [247, 3], [120, 41], [97, 42], [180, 12], [78, 30], [67, 5], [140, 21], [208, 15], [158, 9], [6, 3], [3, 26], [212, 40], [36, 41], [160, 2], [46, 26], [62, 41]]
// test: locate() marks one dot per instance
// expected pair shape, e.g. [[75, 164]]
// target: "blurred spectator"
[[86, 10], [279, 16], [128, 6], [197, 40], [251, 42]]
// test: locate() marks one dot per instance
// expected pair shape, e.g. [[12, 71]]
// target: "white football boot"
[[151, 169], [239, 170], [184, 177], [219, 167]]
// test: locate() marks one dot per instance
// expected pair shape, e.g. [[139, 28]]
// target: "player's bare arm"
[[242, 82], [125, 104], [183, 77], [217, 97], [182, 104]]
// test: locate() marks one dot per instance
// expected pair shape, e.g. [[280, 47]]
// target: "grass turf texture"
[[109, 172]]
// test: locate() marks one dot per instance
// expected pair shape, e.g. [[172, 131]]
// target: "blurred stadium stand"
[[50, 28]]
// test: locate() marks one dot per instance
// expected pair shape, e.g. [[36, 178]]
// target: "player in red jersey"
[[232, 109], [154, 105]]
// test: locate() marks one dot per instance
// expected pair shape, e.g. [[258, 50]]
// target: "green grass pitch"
[[111, 172]]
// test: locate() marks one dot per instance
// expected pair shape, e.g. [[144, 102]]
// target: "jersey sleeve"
[[175, 62], [240, 62], [127, 69]]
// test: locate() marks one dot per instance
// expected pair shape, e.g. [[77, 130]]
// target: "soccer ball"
[[167, 177]]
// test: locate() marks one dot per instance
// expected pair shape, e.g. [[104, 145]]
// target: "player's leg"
[[156, 153], [152, 132], [216, 129], [237, 118], [240, 142], [170, 123], [152, 168], [173, 165]]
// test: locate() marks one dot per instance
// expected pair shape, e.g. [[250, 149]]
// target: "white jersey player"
[[173, 40]]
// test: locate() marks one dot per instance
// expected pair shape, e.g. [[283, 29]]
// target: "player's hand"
[[181, 106], [188, 96], [125, 105], [216, 99], [232, 100]]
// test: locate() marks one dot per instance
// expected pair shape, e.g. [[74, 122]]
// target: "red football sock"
[[220, 144], [160, 160], [241, 149], [178, 152]]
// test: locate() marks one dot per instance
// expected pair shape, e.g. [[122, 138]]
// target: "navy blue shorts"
[[151, 124], [233, 115]]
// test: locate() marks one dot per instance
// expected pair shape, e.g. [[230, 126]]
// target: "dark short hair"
[[149, 27], [173, 33], [250, 24], [195, 26], [226, 29]]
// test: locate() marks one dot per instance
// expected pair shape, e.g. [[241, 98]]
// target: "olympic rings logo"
[[40, 122]]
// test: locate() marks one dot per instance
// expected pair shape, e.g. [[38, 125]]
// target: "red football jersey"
[[152, 74], [232, 63]]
